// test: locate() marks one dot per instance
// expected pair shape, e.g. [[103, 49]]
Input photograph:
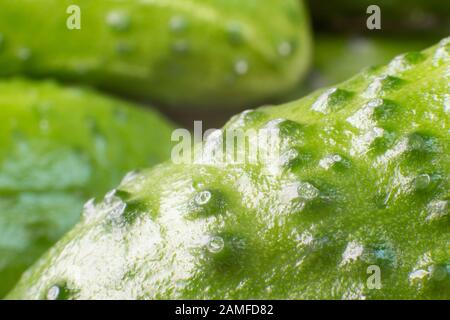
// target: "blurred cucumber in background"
[[190, 54], [58, 148]]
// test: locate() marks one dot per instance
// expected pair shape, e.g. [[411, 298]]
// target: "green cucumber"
[[176, 53], [338, 58], [59, 147], [356, 206]]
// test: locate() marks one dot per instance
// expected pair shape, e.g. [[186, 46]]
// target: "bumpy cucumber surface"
[[362, 186], [179, 53], [338, 58], [58, 147]]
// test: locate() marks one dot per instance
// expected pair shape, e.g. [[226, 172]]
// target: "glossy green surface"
[[352, 54], [59, 147], [178, 53], [363, 180]]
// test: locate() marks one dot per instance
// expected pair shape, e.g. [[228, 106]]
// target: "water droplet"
[[118, 20], [207, 203], [329, 161], [241, 67], [437, 209], [285, 49], [336, 158], [234, 32], [215, 244], [422, 181], [307, 191], [24, 54], [177, 24], [53, 293], [180, 46], [202, 198]]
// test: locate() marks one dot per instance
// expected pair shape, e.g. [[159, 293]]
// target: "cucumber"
[[338, 58], [355, 206], [59, 146], [178, 54]]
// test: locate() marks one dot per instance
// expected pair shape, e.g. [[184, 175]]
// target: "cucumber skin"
[[338, 58], [353, 54], [178, 54], [59, 147], [306, 230]]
